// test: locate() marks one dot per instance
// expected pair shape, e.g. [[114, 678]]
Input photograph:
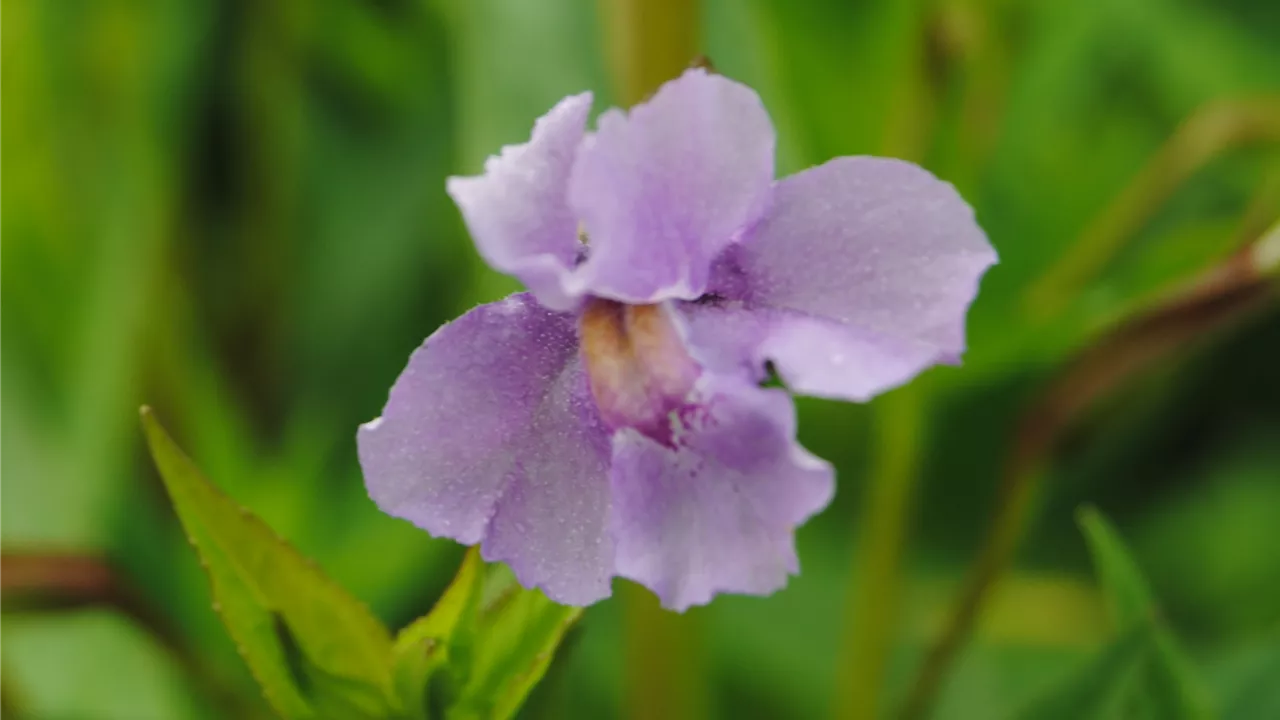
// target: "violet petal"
[[718, 512], [864, 266], [814, 355], [517, 211], [661, 190], [490, 435]]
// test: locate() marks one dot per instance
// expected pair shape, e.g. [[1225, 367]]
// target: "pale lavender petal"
[[865, 266], [550, 525], [518, 212], [489, 434], [718, 512], [663, 189], [812, 355]]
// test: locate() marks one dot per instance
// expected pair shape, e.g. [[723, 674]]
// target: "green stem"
[[1209, 133], [652, 41], [882, 537], [912, 107], [664, 661], [1224, 295], [884, 529], [1013, 504], [1264, 207], [970, 70]]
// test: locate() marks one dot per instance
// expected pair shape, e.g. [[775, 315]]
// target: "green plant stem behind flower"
[[654, 41], [1218, 298], [651, 41], [1213, 130], [883, 529]]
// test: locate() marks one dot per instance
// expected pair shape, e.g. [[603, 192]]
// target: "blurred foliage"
[[1167, 687], [235, 212]]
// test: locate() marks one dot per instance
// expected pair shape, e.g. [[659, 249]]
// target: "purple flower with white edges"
[[611, 421]]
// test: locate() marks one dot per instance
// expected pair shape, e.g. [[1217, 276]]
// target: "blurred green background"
[[235, 212]]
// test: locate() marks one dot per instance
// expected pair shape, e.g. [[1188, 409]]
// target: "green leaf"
[[430, 642], [1098, 688], [316, 651], [1170, 685], [481, 649], [516, 636], [1128, 599]]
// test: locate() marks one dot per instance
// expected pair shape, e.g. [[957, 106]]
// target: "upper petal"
[[489, 434], [717, 512], [518, 211], [863, 252], [663, 189]]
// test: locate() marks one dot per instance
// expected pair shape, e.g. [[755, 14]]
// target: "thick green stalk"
[[884, 525], [882, 537], [971, 73], [1013, 505], [652, 41], [665, 677], [1218, 298]]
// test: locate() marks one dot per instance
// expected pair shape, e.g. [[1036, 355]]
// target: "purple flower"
[[611, 421]]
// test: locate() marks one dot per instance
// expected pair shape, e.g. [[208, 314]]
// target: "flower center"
[[639, 370]]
